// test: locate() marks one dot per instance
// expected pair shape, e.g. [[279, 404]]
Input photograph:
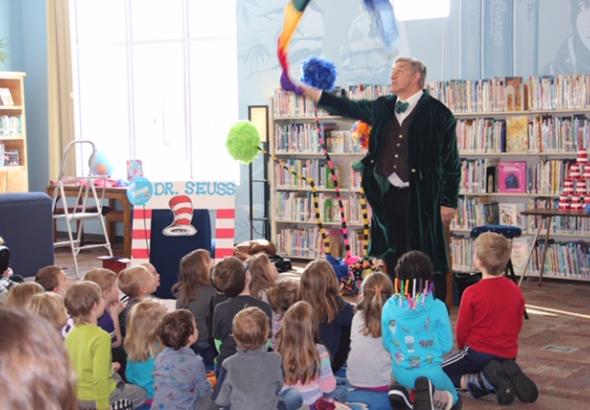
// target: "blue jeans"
[[466, 361], [290, 399]]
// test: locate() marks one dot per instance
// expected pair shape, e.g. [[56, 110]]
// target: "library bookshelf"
[[541, 124], [13, 133]]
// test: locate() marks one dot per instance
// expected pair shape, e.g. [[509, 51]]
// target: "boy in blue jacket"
[[417, 332]]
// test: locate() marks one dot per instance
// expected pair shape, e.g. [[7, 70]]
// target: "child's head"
[[53, 279], [414, 265], [250, 328], [319, 288], [231, 277], [154, 272], [35, 371], [492, 253], [141, 340], [376, 289], [137, 282], [264, 274], [178, 329], [84, 302], [107, 280], [283, 295], [50, 306], [297, 344], [194, 273], [20, 295]]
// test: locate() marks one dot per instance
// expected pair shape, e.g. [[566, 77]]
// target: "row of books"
[[307, 242], [488, 176], [568, 260], [304, 138], [10, 125], [298, 206], [319, 171], [472, 212], [285, 104], [501, 94], [559, 224], [521, 134]]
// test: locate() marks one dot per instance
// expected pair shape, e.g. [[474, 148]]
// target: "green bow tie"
[[401, 106]]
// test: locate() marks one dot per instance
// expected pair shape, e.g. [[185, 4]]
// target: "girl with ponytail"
[[369, 364]]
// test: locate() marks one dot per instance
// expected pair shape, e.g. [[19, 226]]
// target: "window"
[[156, 80], [420, 9]]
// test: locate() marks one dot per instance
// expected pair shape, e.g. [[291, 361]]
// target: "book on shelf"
[[6, 97], [512, 176], [509, 213], [11, 157], [491, 178], [520, 251], [514, 94], [517, 133]]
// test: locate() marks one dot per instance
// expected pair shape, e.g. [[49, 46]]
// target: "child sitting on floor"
[[142, 343], [53, 279], [264, 275], [281, 297], [20, 295], [319, 288], [194, 292], [233, 279], [179, 373], [306, 363], [137, 283], [89, 348], [417, 332], [109, 321], [51, 307], [489, 321], [369, 365], [252, 378]]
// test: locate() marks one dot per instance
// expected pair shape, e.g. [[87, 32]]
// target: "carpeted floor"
[[554, 343]]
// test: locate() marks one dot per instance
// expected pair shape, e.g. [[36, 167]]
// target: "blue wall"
[[23, 24]]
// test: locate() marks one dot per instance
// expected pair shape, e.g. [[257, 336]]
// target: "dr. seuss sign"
[[181, 198]]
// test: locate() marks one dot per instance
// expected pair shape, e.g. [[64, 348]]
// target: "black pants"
[[397, 203]]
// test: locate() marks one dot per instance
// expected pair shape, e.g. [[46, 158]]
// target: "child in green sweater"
[[89, 348]]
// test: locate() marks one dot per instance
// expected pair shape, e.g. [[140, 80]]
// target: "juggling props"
[[243, 144], [383, 16], [319, 73], [414, 291], [361, 133]]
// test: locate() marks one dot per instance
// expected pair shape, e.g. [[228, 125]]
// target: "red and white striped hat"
[[182, 209]]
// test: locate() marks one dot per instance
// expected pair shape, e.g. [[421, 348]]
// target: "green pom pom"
[[243, 142]]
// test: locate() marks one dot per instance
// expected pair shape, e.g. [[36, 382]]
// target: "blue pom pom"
[[319, 73]]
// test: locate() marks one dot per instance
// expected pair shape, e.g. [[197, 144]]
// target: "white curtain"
[[60, 103]]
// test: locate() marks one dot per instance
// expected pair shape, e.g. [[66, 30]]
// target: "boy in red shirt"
[[489, 321]]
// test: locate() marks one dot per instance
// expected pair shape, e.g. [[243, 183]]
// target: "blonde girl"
[[264, 275], [369, 364], [194, 292], [20, 295], [142, 343], [280, 298], [51, 307], [319, 288], [306, 363]]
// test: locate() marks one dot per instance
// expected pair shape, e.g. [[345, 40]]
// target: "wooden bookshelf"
[[13, 133]]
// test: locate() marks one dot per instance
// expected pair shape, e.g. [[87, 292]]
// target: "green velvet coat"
[[435, 171]]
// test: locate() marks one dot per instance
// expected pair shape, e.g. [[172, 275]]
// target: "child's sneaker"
[[525, 389], [399, 397], [429, 398], [494, 373]]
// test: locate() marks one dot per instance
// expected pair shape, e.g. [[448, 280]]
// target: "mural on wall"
[[573, 55]]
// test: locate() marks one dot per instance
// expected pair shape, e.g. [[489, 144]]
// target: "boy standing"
[[489, 321], [89, 348]]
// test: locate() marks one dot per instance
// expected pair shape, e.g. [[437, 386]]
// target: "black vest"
[[393, 154]]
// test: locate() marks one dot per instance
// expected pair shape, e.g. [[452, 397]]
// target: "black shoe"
[[399, 397], [423, 391], [525, 389], [477, 388], [494, 373]]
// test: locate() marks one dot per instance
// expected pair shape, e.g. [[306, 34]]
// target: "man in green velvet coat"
[[412, 171]]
